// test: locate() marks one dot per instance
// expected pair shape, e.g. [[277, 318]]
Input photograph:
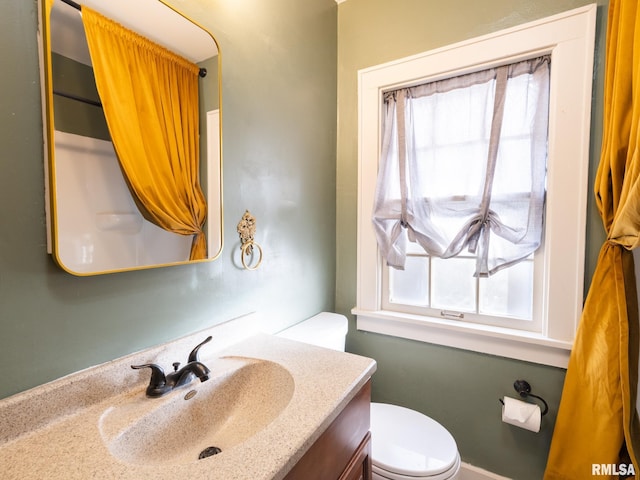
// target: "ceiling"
[[150, 18]]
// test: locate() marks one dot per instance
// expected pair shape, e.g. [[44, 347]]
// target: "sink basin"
[[242, 396]]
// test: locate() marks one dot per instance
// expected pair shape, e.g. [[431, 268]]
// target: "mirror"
[[93, 222]]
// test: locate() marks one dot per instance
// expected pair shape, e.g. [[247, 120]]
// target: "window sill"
[[504, 342]]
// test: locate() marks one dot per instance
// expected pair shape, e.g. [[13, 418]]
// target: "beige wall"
[[458, 388]]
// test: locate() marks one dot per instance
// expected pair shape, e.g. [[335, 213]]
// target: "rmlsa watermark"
[[621, 469]]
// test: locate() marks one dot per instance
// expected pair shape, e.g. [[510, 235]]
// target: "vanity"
[[273, 408], [343, 451]]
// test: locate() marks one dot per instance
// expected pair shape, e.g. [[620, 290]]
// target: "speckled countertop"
[[57, 431]]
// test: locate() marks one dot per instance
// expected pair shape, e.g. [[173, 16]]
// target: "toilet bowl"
[[405, 444]]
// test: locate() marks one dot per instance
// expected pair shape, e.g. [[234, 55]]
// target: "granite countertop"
[[54, 431]]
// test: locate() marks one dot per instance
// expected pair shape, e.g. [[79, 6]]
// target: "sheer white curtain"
[[463, 166]]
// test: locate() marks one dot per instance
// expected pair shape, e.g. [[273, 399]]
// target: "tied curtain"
[[463, 166], [150, 101], [597, 420]]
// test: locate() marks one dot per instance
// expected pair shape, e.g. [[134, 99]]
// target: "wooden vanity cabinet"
[[343, 451], [360, 466]]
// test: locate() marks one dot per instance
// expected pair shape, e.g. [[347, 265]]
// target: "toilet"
[[405, 444]]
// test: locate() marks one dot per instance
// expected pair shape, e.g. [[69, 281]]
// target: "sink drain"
[[208, 452]]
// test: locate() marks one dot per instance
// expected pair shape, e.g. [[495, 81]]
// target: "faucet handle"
[[158, 383], [193, 356]]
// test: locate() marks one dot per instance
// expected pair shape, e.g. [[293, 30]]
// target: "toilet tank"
[[325, 329]]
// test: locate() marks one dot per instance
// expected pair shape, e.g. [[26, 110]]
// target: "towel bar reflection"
[[247, 229]]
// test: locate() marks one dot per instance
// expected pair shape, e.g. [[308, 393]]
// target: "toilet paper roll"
[[521, 414]]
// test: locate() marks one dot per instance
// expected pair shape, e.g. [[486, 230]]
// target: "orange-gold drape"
[[597, 420], [150, 100]]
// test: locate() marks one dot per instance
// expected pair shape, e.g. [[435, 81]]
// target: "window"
[[424, 301], [462, 178], [448, 289]]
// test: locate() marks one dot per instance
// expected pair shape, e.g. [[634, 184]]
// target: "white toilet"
[[406, 445]]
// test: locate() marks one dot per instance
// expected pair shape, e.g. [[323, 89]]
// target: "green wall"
[[456, 387], [281, 61], [278, 113]]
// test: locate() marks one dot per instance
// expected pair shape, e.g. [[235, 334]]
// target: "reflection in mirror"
[[100, 219]]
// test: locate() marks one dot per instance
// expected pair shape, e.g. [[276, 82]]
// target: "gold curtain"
[[150, 100], [597, 421]]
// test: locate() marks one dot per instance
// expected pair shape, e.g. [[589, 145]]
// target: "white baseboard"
[[469, 472]]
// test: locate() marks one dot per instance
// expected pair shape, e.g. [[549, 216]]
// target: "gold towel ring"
[[247, 250], [247, 229]]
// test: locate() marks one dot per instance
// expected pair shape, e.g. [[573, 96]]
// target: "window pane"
[[512, 174], [454, 286], [508, 293], [411, 285]]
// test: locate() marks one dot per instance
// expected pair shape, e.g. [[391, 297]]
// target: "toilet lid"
[[409, 443]]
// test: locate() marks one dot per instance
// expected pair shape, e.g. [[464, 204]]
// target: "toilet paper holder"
[[524, 390]]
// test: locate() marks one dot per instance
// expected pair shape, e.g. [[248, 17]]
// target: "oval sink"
[[241, 398]]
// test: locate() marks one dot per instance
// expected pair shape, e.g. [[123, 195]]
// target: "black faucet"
[[161, 384]]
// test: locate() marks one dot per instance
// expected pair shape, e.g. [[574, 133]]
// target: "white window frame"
[[570, 38]]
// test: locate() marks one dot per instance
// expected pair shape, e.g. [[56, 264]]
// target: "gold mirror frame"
[[86, 242]]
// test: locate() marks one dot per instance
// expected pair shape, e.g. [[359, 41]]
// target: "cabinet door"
[[360, 466], [330, 457]]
